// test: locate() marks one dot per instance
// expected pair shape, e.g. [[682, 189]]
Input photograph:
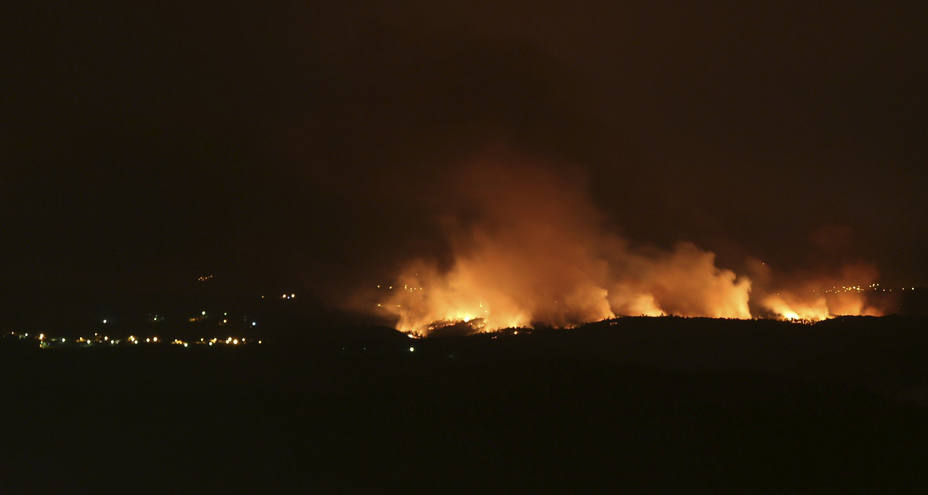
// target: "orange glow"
[[793, 308], [817, 308], [529, 247], [816, 298], [537, 253]]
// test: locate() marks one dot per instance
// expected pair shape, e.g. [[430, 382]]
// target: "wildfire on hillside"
[[533, 250]]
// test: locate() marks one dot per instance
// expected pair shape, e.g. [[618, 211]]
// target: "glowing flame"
[[813, 299], [793, 308]]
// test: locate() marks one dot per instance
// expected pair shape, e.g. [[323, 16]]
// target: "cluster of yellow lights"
[[406, 287], [45, 341], [874, 287]]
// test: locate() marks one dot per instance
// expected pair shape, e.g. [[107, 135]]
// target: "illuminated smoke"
[[528, 247], [810, 297], [684, 282]]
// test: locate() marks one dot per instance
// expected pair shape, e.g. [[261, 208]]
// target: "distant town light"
[[104, 321], [254, 323], [412, 349], [203, 313], [186, 345]]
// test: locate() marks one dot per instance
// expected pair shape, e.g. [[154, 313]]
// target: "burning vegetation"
[[529, 247]]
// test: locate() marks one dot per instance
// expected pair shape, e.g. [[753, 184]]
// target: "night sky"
[[310, 145]]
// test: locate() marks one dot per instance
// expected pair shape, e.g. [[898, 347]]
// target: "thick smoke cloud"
[[529, 247], [683, 282]]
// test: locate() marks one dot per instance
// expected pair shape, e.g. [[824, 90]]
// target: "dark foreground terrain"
[[645, 405]]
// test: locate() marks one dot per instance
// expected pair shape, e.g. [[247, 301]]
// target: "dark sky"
[[305, 144]]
